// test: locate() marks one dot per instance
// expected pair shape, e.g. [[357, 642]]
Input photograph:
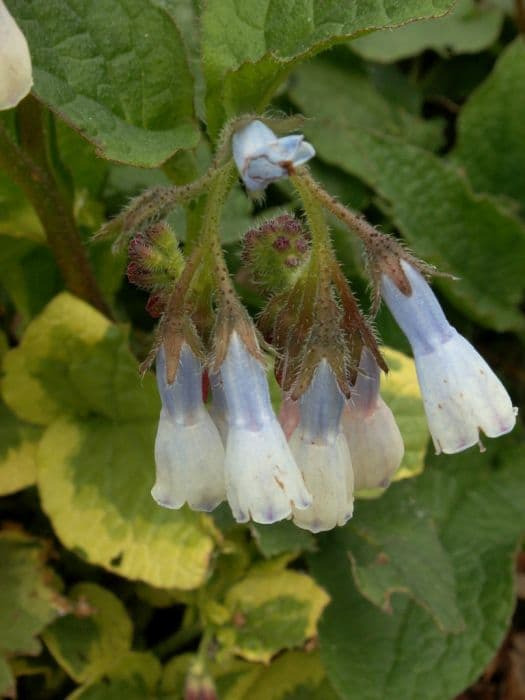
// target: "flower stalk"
[[28, 166]]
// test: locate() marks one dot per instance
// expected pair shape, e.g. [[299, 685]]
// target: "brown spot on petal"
[[279, 482]]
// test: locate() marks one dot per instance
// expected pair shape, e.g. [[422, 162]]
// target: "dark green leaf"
[[249, 48], [491, 129], [468, 28], [115, 71], [429, 201], [475, 502]]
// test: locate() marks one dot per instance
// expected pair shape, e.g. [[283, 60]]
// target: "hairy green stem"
[[361, 227], [322, 253], [28, 167]]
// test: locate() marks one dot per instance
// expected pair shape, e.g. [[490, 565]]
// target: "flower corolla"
[[262, 157], [263, 482], [322, 454], [461, 393], [189, 455], [371, 431]]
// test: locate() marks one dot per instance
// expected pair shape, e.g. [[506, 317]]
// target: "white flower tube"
[[189, 455], [322, 453], [261, 157], [262, 478], [371, 431], [16, 76], [460, 392]]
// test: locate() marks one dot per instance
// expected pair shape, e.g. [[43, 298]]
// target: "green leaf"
[[491, 129], [134, 677], [292, 676], [74, 372], [345, 96], [27, 600], [87, 646], [400, 390], [272, 609], [18, 217], [72, 360], [432, 204], [394, 548], [18, 447], [250, 48], [469, 27], [475, 502], [280, 538], [29, 275], [94, 648], [95, 477], [115, 71]]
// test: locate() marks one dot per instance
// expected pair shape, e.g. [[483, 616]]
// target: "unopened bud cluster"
[[334, 434], [155, 263], [276, 251]]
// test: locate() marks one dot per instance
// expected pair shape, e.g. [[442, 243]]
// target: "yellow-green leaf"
[[88, 646], [18, 447], [400, 390], [95, 478], [27, 598], [272, 610]]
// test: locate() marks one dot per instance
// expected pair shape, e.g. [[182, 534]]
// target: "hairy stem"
[[28, 167], [361, 227]]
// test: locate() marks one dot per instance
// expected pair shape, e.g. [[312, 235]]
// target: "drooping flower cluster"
[[335, 434], [241, 454]]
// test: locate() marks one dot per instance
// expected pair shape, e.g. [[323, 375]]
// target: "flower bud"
[[155, 259], [261, 157], [276, 252], [16, 76], [189, 455], [262, 479], [322, 454], [461, 394], [371, 431]]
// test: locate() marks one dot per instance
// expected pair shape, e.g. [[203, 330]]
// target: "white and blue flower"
[[461, 393], [189, 455], [321, 452], [262, 157], [371, 431], [263, 482]]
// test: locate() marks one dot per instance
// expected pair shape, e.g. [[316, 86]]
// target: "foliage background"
[[420, 125]]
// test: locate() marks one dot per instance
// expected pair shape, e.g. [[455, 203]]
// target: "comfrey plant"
[[335, 434]]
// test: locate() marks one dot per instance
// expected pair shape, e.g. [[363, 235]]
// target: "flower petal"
[[16, 76]]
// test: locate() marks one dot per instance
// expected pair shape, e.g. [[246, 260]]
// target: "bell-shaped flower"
[[189, 455], [461, 394], [262, 157], [370, 429], [16, 76], [262, 478], [321, 451]]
